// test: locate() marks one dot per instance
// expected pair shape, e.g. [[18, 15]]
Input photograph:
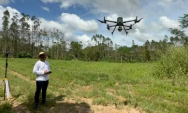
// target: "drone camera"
[[119, 28]]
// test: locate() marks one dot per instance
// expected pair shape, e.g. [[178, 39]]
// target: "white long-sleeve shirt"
[[39, 69]]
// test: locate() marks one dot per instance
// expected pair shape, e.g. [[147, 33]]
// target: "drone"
[[120, 24]]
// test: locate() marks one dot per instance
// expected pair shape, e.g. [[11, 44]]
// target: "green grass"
[[108, 84]]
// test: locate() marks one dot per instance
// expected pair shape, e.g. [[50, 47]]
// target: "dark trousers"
[[41, 85]]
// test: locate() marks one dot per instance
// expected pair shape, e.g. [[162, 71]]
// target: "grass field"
[[101, 83]]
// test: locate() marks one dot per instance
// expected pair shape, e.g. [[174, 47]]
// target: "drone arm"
[[139, 20], [127, 26], [128, 21], [100, 21], [111, 21], [106, 21], [112, 26], [135, 20]]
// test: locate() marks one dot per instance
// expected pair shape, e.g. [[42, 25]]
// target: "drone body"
[[120, 24]]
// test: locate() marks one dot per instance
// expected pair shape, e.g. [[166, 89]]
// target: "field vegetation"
[[126, 84]]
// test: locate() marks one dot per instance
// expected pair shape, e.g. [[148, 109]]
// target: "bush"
[[70, 57], [173, 64], [24, 54]]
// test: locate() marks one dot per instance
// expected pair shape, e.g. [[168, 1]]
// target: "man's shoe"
[[36, 106], [44, 102]]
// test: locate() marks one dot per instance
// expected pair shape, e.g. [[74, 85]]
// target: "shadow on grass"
[[53, 105]]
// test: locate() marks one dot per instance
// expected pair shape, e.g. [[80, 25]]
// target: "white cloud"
[[68, 3], [86, 40], [171, 3], [65, 4], [4, 2], [142, 37], [78, 23], [141, 31], [45, 8], [168, 23], [69, 24], [157, 15], [124, 7], [64, 28], [163, 25], [12, 11], [155, 31]]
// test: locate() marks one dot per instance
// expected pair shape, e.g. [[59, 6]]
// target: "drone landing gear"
[[125, 30], [113, 30]]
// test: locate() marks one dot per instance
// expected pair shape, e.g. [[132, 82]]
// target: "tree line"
[[24, 40]]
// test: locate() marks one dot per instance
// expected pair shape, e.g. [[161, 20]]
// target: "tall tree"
[[76, 49], [14, 32], [5, 30], [35, 32], [101, 42], [25, 32], [147, 51], [109, 44], [184, 21]]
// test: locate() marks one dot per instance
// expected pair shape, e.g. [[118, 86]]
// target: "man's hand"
[[47, 72]]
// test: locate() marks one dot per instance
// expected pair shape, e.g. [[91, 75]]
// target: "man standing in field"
[[42, 71]]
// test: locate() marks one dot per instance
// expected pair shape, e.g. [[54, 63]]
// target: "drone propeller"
[[135, 21], [104, 20], [100, 21], [139, 20]]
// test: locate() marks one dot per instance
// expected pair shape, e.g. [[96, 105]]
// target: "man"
[[42, 71]]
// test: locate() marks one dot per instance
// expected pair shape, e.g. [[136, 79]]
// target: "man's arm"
[[36, 71]]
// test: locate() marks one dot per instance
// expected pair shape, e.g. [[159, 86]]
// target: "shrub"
[[173, 64], [24, 54]]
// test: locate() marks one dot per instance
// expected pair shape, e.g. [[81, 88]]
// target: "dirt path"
[[70, 106]]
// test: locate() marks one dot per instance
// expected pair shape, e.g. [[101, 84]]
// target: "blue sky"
[[77, 18]]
